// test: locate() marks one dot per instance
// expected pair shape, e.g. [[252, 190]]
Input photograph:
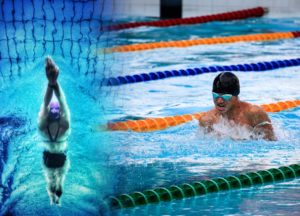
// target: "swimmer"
[[228, 107], [54, 126]]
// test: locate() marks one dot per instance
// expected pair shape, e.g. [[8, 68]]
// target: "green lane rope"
[[186, 190]]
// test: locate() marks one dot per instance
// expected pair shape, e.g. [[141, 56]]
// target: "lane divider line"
[[227, 16], [145, 77], [161, 123], [164, 194]]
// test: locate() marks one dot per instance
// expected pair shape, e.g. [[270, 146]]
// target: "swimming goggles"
[[225, 97]]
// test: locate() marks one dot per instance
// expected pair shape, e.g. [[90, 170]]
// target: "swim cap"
[[226, 83], [54, 113]]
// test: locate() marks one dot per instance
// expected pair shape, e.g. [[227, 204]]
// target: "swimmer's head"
[[226, 83], [54, 112], [226, 88]]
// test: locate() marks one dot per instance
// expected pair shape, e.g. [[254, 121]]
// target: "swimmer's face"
[[54, 113], [223, 102], [54, 109]]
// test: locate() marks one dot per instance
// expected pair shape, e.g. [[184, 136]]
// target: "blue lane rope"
[[144, 77]]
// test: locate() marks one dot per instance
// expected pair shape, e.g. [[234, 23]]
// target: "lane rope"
[[203, 41], [153, 124], [145, 77], [228, 16]]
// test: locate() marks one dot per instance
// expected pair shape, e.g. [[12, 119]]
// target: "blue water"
[[184, 153], [104, 163], [69, 32]]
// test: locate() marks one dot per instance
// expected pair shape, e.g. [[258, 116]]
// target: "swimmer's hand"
[[207, 120], [51, 71]]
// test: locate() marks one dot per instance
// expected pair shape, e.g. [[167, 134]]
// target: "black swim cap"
[[226, 83]]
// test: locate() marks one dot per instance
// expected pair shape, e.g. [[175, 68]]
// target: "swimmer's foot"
[[58, 192], [51, 71], [54, 199]]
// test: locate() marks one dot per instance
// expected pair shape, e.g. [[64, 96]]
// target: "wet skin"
[[241, 114]]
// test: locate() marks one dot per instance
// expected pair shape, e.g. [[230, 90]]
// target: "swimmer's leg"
[[51, 185]]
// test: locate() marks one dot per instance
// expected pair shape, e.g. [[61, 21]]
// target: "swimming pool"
[[183, 153], [69, 32], [106, 163]]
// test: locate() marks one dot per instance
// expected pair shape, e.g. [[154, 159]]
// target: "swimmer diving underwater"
[[54, 126], [228, 108]]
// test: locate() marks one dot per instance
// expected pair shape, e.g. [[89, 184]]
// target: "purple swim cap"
[[54, 113]]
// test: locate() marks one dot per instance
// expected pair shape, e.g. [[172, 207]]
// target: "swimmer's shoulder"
[[255, 109], [250, 109], [256, 114], [65, 123]]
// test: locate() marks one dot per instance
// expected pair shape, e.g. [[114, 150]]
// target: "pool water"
[[104, 163], [68, 31], [184, 153]]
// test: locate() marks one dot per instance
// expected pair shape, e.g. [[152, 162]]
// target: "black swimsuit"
[[54, 160], [56, 135]]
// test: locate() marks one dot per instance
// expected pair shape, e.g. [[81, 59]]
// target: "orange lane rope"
[[152, 124], [202, 41]]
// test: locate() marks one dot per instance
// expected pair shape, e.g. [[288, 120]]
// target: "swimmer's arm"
[[261, 123], [44, 109], [267, 130], [206, 121], [62, 102], [42, 120], [48, 96]]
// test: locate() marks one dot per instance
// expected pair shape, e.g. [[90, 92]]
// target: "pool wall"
[[204, 7]]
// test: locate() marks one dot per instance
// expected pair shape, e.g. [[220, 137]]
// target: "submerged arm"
[[261, 124], [62, 101], [207, 120], [44, 109], [267, 129]]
